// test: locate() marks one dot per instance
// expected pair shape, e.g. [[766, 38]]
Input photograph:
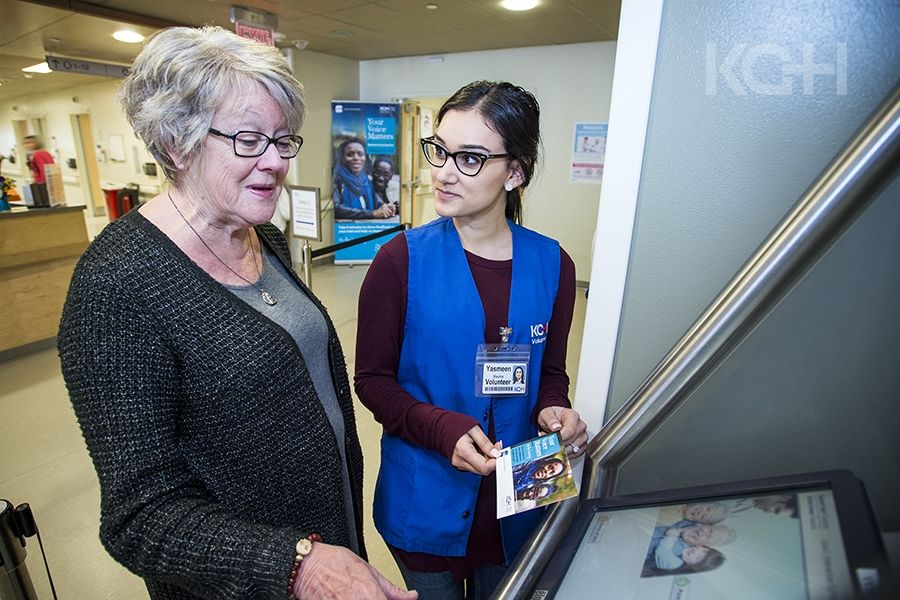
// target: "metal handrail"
[[840, 194]]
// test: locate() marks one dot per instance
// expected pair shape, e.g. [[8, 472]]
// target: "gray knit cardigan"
[[213, 451]]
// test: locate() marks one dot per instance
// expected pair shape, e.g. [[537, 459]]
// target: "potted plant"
[[6, 185]]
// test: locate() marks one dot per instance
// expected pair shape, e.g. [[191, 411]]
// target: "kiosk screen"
[[781, 543]]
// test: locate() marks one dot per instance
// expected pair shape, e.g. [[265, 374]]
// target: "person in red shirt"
[[38, 158]]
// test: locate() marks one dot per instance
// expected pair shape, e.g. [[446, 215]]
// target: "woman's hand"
[[475, 453], [571, 428], [334, 573]]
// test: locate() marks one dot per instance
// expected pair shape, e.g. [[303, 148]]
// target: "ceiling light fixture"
[[38, 68], [431, 6], [128, 37], [341, 34], [519, 4]]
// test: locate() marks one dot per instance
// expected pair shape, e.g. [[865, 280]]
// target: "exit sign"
[[263, 35]]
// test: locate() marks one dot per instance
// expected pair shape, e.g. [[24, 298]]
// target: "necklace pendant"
[[267, 298]]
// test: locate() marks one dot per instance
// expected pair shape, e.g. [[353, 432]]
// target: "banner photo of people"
[[365, 175]]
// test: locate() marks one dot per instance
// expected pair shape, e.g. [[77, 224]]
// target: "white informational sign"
[[426, 125], [588, 152], [305, 222]]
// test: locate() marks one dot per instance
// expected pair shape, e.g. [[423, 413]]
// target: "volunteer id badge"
[[502, 369]]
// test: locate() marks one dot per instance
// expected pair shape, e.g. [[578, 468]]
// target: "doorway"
[[89, 173], [417, 207]]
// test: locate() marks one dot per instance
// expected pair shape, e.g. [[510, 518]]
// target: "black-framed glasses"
[[250, 144], [467, 162]]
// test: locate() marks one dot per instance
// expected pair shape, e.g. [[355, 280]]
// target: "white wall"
[[325, 78], [572, 82]]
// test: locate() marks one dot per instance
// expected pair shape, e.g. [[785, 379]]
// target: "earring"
[[180, 166], [508, 186]]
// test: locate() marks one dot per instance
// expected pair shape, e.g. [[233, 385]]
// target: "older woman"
[[208, 381]]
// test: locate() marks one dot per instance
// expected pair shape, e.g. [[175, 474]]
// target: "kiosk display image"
[[804, 537]]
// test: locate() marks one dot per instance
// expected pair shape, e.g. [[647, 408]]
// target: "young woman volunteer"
[[436, 303]]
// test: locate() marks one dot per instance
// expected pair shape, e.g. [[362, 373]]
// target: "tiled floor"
[[43, 460]]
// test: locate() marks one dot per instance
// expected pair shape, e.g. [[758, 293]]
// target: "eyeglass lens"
[[467, 162], [251, 143]]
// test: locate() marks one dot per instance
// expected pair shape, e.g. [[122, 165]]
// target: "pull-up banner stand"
[[365, 175]]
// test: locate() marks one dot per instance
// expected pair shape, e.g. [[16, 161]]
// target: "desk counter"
[[38, 252]]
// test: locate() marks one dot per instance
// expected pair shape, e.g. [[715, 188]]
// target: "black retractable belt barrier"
[[360, 240]]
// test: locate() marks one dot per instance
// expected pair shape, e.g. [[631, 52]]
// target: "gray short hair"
[[183, 75]]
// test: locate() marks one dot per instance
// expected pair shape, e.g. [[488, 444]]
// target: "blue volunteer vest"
[[422, 503]]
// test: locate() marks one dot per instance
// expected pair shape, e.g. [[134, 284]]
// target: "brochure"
[[532, 474]]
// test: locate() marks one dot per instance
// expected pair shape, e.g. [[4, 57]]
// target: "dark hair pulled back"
[[514, 114]]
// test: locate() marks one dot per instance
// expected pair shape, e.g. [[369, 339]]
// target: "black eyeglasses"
[[250, 144], [467, 162]]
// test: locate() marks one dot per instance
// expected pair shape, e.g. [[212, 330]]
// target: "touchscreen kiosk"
[[805, 537]]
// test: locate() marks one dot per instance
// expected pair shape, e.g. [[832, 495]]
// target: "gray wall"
[[735, 137], [814, 387]]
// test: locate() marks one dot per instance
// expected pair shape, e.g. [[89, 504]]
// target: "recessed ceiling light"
[[431, 6], [519, 4], [341, 34], [38, 68], [129, 37]]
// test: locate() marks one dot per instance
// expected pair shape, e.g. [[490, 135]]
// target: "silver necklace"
[[266, 296]]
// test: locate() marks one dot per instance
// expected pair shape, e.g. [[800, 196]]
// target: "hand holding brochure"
[[532, 474]]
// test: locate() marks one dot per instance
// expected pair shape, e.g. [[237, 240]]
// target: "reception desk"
[[38, 251]]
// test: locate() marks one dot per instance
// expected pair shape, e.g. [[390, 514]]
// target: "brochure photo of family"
[[532, 474]]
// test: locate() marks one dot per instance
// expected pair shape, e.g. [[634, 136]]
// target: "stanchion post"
[[15, 583], [307, 264]]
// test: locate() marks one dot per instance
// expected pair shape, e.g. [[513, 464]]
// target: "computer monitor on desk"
[[800, 537]]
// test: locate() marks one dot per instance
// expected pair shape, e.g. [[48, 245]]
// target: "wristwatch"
[[303, 548]]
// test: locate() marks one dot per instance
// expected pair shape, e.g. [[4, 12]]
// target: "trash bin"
[[128, 198], [111, 191]]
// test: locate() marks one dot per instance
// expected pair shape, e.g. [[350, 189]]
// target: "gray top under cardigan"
[[297, 314], [213, 451]]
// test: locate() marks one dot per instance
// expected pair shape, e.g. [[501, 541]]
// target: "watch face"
[[304, 547]]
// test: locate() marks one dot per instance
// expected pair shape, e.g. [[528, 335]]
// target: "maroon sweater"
[[379, 338]]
